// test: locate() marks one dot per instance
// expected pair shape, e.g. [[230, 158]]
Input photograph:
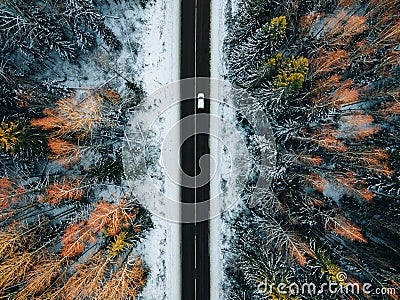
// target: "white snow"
[[219, 226], [161, 44], [160, 56], [157, 251]]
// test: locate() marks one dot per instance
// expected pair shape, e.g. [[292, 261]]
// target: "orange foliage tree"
[[375, 160], [316, 181], [326, 138], [342, 27], [74, 116], [126, 282], [10, 192], [320, 65], [290, 241], [106, 218], [340, 225], [354, 185], [334, 94], [66, 189], [311, 160], [358, 126], [87, 280]]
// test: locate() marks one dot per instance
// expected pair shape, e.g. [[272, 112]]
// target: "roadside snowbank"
[[159, 56]]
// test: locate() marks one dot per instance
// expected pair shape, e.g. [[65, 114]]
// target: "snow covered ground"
[[220, 227], [159, 56], [218, 32]]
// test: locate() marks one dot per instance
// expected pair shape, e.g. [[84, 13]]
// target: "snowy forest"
[[68, 222], [326, 73]]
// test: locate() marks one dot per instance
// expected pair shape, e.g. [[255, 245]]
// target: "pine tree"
[[27, 27], [10, 136], [21, 140], [245, 58]]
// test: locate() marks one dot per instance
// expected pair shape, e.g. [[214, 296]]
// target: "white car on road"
[[200, 101]]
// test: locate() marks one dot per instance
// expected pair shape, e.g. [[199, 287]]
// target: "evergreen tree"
[[22, 141], [332, 205]]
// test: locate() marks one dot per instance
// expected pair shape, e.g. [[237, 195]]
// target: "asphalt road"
[[195, 62]]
